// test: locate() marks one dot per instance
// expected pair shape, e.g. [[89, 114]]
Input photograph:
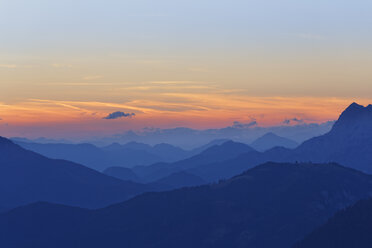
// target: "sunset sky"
[[66, 65]]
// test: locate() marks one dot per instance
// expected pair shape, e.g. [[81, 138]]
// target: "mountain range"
[[350, 227], [214, 154], [272, 205], [271, 140], [348, 143], [245, 201], [26, 177], [101, 158], [189, 138]]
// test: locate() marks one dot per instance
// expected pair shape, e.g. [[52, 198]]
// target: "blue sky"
[[161, 27], [188, 61]]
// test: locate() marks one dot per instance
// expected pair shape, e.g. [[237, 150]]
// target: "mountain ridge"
[[351, 148], [246, 211], [350, 227], [271, 140], [26, 177]]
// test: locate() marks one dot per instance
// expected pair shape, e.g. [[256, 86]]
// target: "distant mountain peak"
[[271, 140], [164, 145], [230, 142], [270, 134], [353, 115], [229, 145], [232, 145], [354, 104], [354, 108]]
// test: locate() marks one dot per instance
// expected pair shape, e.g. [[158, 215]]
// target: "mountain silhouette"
[[122, 173], [130, 146], [213, 154], [180, 180], [95, 157], [355, 118], [272, 205], [271, 140], [348, 228], [216, 142], [227, 150], [348, 143], [114, 155], [27, 177]]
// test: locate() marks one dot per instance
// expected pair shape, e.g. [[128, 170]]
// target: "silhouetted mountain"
[[271, 140], [187, 138], [348, 143], [122, 173], [272, 205], [163, 152], [348, 228], [180, 180], [202, 148], [355, 118], [215, 153], [130, 145], [27, 177], [114, 155], [173, 181], [226, 151], [41, 140], [171, 153], [92, 156]]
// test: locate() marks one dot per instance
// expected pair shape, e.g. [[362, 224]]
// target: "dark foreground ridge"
[[348, 228], [272, 205]]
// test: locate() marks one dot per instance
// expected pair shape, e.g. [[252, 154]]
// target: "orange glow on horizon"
[[198, 111]]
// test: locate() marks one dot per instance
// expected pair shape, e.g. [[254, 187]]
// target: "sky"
[[65, 66]]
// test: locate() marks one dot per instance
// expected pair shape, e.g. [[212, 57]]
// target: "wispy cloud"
[[15, 66], [8, 66], [81, 84], [196, 109], [172, 82], [86, 106]]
